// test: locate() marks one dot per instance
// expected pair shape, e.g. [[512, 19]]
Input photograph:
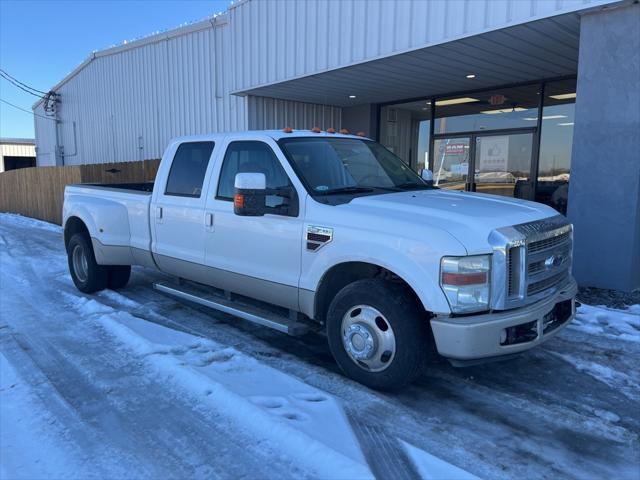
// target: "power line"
[[5, 73], [26, 111], [18, 85]]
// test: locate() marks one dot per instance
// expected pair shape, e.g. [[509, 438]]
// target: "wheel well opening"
[[74, 225], [341, 275]]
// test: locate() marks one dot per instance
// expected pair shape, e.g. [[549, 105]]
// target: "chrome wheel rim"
[[368, 338], [80, 264]]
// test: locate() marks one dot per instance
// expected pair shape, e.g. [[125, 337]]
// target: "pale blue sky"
[[42, 41]]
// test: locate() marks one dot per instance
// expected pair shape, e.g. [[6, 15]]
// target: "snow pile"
[[276, 408], [612, 323]]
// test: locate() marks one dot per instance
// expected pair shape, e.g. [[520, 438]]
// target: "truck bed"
[[146, 187]]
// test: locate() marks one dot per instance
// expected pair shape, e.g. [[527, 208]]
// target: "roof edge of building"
[[214, 21], [17, 141], [579, 9]]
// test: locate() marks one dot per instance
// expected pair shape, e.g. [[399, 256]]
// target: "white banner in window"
[[494, 153]]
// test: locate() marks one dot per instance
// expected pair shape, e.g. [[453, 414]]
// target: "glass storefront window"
[[515, 107], [485, 141], [556, 139], [404, 129], [451, 163]]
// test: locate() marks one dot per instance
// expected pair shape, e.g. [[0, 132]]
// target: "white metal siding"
[[269, 113], [277, 40], [129, 101], [17, 150], [129, 104], [45, 138]]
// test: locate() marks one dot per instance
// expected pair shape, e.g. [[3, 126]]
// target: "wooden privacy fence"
[[38, 192]]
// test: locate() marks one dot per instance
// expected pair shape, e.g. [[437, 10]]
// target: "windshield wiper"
[[408, 185], [351, 189]]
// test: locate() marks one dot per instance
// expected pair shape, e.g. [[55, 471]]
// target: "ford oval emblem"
[[553, 261]]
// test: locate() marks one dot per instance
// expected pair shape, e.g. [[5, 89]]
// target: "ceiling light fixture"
[[566, 124], [455, 101], [563, 96], [546, 117], [471, 75], [352, 96]]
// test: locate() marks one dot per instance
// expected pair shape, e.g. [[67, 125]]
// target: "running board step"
[[236, 308]]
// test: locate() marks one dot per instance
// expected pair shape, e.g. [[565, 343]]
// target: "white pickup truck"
[[298, 230]]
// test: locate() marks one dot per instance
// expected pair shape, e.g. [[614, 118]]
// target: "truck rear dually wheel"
[[86, 274], [378, 333]]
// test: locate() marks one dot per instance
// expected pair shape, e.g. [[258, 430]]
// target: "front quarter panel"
[[412, 253]]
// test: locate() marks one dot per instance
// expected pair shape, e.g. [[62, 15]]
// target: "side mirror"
[[250, 194], [427, 176]]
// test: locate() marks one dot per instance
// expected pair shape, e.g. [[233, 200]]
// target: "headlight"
[[465, 282]]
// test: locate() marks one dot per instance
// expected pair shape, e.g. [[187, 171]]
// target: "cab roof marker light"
[[344, 131], [287, 130], [331, 130], [316, 130], [361, 134]]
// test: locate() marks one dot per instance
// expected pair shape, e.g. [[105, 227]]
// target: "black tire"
[[409, 325], [118, 276], [90, 277]]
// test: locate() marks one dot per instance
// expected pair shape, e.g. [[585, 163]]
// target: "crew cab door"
[[177, 211], [255, 256]]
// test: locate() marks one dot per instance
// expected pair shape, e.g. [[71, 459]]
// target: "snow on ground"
[[133, 384], [612, 323]]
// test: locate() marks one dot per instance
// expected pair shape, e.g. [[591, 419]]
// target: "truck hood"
[[469, 217]]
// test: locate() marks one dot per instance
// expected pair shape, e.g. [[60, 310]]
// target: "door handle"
[[159, 213], [208, 220]]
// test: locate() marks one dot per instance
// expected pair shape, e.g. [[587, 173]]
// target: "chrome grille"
[[542, 285], [549, 243], [529, 260]]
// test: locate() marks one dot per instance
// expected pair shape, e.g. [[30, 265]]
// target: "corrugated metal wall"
[[274, 40], [129, 101], [45, 137], [17, 150], [268, 113], [129, 104]]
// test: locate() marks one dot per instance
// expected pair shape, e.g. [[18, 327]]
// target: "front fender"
[[415, 262]]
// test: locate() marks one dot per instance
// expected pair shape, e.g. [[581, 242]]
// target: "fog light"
[[503, 336]]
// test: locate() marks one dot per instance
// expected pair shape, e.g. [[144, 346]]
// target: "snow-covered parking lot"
[[131, 384]]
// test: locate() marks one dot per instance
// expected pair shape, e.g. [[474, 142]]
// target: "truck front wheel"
[[87, 275], [377, 332]]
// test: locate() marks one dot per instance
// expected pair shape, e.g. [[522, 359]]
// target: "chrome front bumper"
[[479, 336]]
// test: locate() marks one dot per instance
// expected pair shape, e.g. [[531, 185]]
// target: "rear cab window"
[[188, 169]]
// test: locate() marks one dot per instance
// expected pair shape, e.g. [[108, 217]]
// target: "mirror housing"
[[427, 176], [250, 194]]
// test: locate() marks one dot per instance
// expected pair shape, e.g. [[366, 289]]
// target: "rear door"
[[177, 212]]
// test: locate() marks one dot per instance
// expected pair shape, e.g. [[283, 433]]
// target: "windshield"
[[348, 165]]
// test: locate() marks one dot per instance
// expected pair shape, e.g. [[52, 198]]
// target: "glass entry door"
[[495, 163]]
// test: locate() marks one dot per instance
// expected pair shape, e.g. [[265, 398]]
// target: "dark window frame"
[[188, 195], [293, 210], [535, 161]]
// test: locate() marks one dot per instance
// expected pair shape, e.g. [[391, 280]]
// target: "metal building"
[[445, 84], [17, 153]]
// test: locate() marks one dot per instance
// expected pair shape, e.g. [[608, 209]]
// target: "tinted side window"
[[251, 157], [188, 169]]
